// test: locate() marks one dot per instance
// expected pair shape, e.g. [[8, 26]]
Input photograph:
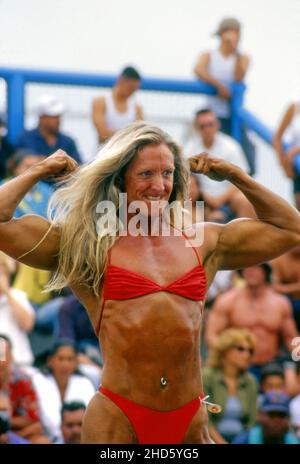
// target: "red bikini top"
[[122, 284]]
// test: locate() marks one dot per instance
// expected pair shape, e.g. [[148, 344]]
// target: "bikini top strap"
[[187, 238]]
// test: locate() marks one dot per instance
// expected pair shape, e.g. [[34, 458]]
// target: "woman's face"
[[150, 176], [63, 363], [239, 355]]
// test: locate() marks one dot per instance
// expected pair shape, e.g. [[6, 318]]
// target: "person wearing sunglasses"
[[208, 138], [228, 383]]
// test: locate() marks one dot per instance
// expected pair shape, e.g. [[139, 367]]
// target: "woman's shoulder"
[[250, 379], [210, 372]]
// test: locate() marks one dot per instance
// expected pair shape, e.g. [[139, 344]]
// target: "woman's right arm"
[[19, 236]]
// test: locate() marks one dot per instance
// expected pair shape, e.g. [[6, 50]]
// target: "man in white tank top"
[[219, 68], [114, 111], [223, 65]]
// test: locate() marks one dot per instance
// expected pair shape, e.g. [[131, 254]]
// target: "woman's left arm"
[[246, 242]]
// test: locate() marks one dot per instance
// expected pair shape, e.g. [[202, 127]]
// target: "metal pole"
[[237, 99], [15, 106]]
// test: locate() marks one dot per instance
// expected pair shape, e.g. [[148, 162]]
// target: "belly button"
[[163, 382]]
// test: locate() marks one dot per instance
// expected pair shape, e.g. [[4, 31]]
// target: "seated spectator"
[[289, 124], [114, 111], [16, 315], [36, 200], [6, 150], [196, 194], [220, 68], [7, 437], [257, 307], [273, 427], [71, 422], [61, 384], [32, 281], [286, 271], [47, 138], [75, 325], [209, 139], [25, 420], [227, 382], [272, 378]]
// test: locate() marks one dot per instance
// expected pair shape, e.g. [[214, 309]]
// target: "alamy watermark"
[[3, 344], [296, 351], [152, 218]]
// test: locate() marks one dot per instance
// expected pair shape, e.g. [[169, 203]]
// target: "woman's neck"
[[230, 371]]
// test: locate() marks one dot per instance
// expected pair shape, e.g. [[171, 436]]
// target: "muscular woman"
[[144, 294]]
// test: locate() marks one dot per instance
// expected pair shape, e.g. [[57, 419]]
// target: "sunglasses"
[[242, 349], [206, 125]]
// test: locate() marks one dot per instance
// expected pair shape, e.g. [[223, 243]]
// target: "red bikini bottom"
[[156, 427]]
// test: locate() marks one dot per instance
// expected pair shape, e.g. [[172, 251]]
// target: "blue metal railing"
[[17, 79]]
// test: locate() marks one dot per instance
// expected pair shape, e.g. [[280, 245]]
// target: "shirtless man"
[[114, 111], [258, 308], [149, 316], [286, 278]]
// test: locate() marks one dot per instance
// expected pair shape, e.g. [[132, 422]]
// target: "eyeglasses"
[[206, 125], [242, 349]]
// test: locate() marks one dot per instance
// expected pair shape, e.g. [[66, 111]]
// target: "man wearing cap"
[[258, 308], [273, 423], [46, 138], [118, 108], [219, 68]]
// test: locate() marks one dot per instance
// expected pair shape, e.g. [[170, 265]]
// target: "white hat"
[[49, 105]]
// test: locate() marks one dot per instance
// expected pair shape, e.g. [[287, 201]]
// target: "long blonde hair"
[[72, 208]]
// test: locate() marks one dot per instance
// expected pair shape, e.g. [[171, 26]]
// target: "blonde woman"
[[227, 382], [144, 293]]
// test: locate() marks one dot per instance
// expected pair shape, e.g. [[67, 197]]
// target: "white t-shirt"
[[224, 147], [22, 352], [79, 389]]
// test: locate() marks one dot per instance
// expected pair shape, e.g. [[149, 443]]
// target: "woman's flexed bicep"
[[247, 242], [31, 240]]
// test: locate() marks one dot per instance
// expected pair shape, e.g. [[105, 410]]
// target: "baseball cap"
[[274, 402], [226, 24], [271, 369], [48, 105]]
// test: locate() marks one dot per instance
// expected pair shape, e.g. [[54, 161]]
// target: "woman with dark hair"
[[144, 292], [61, 383]]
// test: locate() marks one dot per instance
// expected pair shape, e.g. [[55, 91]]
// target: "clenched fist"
[[59, 165], [214, 168]]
